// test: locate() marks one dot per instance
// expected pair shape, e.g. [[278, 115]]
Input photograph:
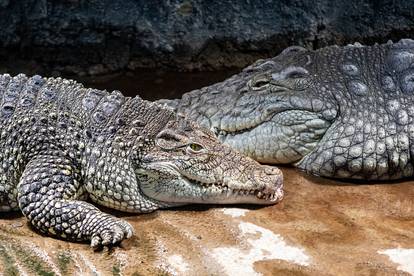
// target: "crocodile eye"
[[259, 83], [195, 148], [169, 140]]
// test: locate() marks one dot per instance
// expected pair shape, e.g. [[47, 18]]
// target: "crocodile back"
[[373, 134]]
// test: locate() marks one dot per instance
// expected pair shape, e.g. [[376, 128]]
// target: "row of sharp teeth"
[[264, 196], [245, 192], [222, 132], [211, 185], [257, 193], [225, 188]]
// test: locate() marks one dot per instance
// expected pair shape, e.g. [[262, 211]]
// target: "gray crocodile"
[[62, 143], [339, 112]]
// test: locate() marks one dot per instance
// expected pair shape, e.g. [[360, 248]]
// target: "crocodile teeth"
[[217, 185], [262, 195], [257, 193]]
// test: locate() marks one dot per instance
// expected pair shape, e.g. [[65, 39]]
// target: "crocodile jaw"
[[163, 182], [284, 139]]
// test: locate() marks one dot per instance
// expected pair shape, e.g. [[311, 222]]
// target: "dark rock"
[[79, 36]]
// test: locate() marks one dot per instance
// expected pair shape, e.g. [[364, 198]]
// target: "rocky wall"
[[104, 36]]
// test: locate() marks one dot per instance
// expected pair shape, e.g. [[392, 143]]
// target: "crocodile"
[[64, 146], [339, 112]]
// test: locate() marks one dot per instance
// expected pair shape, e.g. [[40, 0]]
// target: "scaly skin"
[[342, 112], [61, 143]]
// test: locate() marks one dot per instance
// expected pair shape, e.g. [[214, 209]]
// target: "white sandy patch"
[[173, 264], [235, 212], [401, 256], [264, 245], [178, 263]]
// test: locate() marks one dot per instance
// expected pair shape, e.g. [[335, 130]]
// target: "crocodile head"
[[272, 111], [188, 164]]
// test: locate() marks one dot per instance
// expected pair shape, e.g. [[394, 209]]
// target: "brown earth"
[[332, 228]]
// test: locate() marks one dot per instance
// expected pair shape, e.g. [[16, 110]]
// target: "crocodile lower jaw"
[[259, 194]]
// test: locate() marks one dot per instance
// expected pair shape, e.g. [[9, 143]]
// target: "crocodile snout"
[[272, 181]]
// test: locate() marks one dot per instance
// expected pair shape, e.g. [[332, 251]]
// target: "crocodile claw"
[[112, 234]]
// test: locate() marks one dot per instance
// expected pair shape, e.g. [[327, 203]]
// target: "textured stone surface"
[[322, 227], [103, 36]]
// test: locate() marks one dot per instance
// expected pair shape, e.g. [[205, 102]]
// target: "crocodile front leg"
[[49, 193]]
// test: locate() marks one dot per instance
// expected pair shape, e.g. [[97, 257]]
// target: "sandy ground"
[[322, 227]]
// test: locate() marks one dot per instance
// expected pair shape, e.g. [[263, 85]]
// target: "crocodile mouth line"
[[258, 193], [223, 132], [233, 133], [262, 193]]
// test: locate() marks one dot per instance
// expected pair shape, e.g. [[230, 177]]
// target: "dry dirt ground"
[[322, 227]]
